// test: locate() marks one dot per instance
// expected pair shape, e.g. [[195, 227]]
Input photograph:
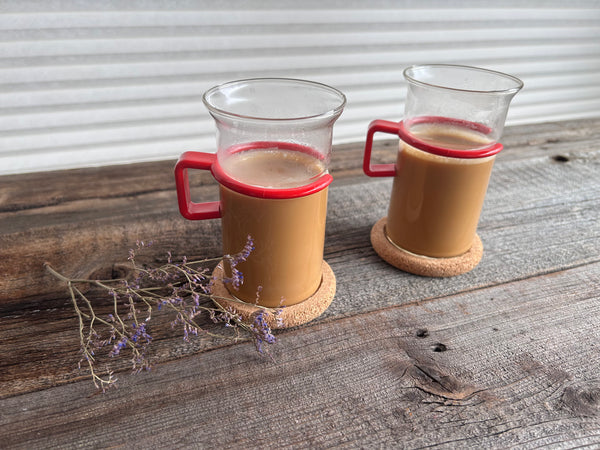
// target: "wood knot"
[[438, 382], [113, 272], [583, 399]]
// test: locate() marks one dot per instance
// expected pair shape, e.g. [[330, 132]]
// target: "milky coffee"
[[436, 201], [285, 266]]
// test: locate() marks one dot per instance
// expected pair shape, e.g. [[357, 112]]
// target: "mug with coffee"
[[454, 116], [273, 149]]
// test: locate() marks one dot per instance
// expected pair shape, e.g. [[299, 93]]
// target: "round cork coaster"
[[284, 317], [423, 265]]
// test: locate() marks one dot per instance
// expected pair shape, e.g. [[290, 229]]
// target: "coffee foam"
[[273, 167]]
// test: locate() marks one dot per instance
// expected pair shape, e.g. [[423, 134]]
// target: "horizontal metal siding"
[[94, 83]]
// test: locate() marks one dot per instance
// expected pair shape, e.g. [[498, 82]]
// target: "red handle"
[[187, 208], [379, 170]]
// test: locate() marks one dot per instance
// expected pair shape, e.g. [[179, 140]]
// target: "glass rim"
[[513, 90], [332, 112]]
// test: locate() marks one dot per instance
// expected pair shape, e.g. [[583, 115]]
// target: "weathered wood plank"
[[102, 211], [139, 192], [519, 370], [541, 216], [94, 231]]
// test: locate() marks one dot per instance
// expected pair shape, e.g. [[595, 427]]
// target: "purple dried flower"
[[120, 345], [247, 248], [278, 319], [140, 333], [262, 331], [243, 254], [237, 278], [179, 286]]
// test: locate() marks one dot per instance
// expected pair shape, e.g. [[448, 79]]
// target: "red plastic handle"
[[187, 208], [379, 170]]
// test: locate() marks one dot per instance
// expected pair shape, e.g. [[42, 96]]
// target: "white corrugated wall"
[[101, 82]]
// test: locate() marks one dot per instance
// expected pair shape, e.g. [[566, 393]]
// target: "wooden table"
[[507, 355]]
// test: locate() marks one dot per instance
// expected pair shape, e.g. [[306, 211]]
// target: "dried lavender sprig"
[[180, 286], [85, 341]]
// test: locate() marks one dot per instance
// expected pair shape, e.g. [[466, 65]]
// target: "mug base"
[[423, 265], [284, 317]]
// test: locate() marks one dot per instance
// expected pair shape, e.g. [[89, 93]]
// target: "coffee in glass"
[[454, 116]]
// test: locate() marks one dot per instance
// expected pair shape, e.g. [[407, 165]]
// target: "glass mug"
[[273, 149], [454, 116]]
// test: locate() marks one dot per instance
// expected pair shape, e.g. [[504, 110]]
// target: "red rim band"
[[267, 192], [413, 141]]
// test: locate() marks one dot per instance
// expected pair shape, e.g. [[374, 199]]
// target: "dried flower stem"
[[179, 287]]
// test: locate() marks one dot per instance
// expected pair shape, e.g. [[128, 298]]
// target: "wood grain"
[[514, 373], [504, 356], [84, 220]]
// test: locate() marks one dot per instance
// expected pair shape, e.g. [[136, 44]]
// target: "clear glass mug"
[[273, 150], [453, 119]]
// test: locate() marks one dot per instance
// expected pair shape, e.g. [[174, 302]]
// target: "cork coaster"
[[423, 265], [289, 316]]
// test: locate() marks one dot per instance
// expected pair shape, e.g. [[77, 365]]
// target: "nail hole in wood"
[[439, 347], [422, 333], [560, 158]]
